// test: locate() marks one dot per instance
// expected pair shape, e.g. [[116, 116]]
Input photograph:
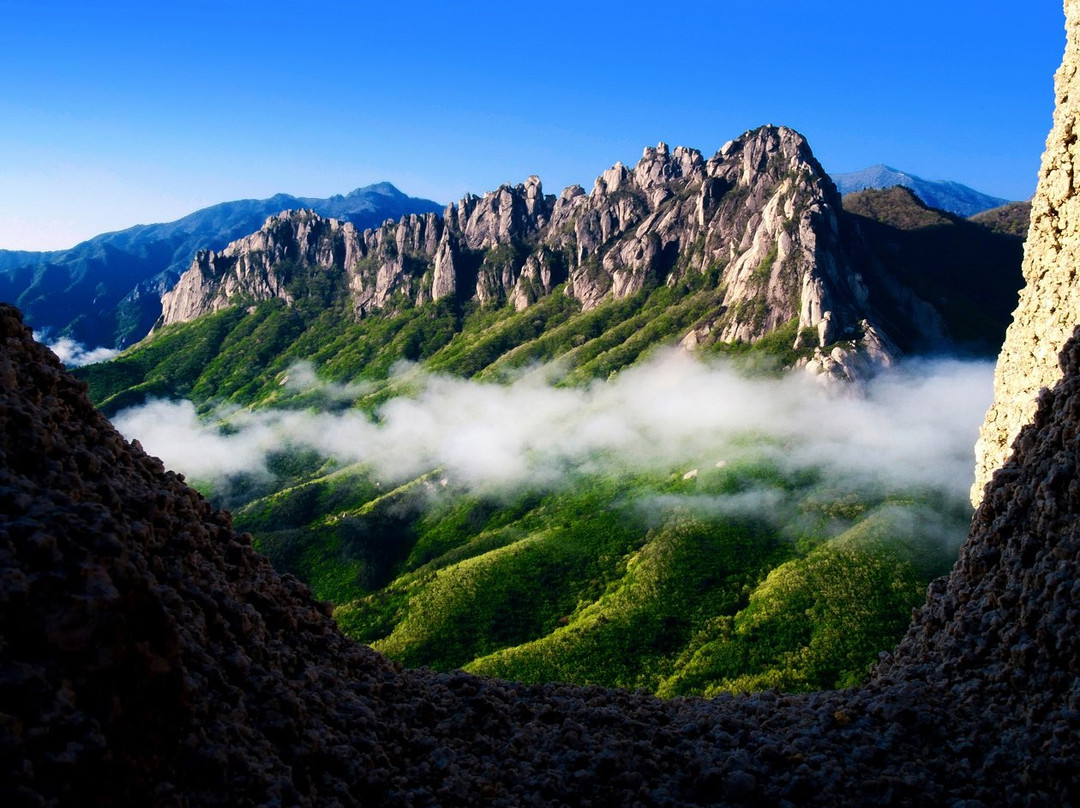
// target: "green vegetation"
[[1012, 219], [241, 355], [615, 579], [611, 577]]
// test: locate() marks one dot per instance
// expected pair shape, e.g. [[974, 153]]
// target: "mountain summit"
[[943, 194], [759, 227]]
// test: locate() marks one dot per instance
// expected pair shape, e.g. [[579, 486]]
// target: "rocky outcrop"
[[1049, 305], [759, 223], [259, 267], [107, 291]]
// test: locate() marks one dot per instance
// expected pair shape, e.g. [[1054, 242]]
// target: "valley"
[[649, 437]]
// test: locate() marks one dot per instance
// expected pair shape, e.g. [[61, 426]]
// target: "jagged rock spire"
[[759, 220], [1049, 307]]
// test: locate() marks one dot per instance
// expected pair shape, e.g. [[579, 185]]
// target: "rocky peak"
[[757, 223], [659, 166], [507, 214], [1049, 306], [257, 267]]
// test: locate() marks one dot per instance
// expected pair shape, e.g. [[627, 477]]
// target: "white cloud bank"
[[914, 425], [73, 354]]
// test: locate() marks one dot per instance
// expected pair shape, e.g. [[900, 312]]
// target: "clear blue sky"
[[117, 113]]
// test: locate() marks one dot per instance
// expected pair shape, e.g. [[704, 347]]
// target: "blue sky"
[[117, 113]]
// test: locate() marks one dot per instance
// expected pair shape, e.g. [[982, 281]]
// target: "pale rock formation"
[[1049, 307], [759, 223], [255, 268]]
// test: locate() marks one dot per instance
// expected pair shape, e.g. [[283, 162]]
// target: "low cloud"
[[913, 426], [301, 378], [73, 354]]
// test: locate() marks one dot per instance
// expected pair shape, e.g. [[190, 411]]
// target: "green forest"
[[612, 575]]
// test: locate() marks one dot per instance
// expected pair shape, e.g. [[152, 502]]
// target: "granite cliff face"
[[257, 267], [1049, 305], [759, 220]]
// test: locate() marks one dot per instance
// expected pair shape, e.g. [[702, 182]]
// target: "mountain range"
[[752, 243], [151, 656], [943, 194], [107, 291]]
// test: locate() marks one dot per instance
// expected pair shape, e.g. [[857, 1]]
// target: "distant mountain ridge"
[[953, 197], [759, 222], [107, 290], [758, 228]]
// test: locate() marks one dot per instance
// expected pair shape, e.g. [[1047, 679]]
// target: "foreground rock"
[[149, 656], [1049, 305]]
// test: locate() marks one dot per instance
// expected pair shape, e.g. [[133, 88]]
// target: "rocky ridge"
[[107, 291], [759, 220], [148, 656], [1049, 304]]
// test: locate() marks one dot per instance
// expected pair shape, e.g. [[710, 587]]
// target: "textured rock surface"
[[759, 220], [1049, 305], [254, 267]]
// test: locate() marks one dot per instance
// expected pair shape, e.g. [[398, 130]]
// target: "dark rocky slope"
[[149, 656]]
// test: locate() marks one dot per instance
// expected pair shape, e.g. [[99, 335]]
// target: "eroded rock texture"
[[1049, 306]]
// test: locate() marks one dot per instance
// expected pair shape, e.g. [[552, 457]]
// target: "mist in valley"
[[911, 428]]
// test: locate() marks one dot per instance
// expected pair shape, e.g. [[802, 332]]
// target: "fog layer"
[[914, 425], [73, 354]]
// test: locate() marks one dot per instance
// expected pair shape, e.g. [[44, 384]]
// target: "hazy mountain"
[[943, 194], [106, 291]]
